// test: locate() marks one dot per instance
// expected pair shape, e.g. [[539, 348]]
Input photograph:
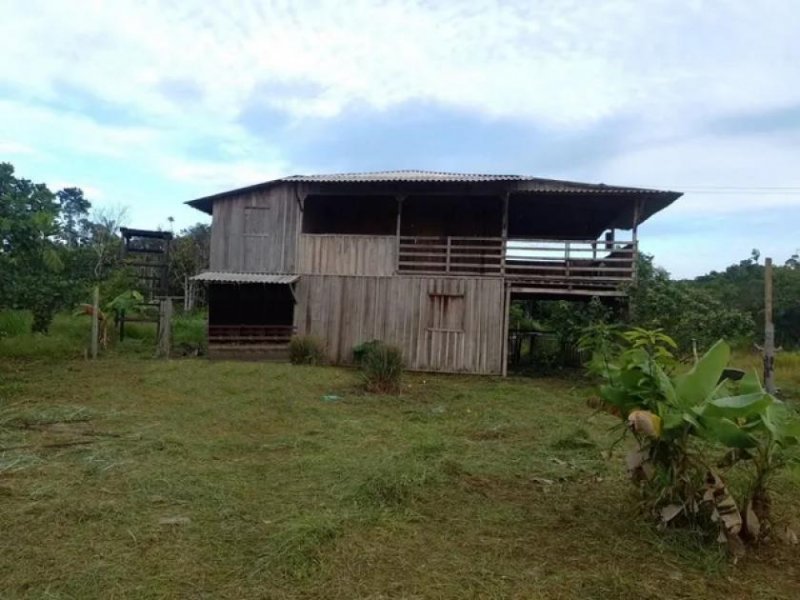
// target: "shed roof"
[[230, 277]]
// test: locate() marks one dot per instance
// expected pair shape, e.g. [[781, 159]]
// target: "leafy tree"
[[741, 287], [29, 260], [74, 217], [692, 314], [189, 255]]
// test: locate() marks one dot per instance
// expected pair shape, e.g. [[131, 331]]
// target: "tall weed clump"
[[306, 350], [382, 367], [15, 322], [691, 429]]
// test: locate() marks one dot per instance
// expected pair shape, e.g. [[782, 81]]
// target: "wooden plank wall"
[[345, 311], [256, 232], [347, 254]]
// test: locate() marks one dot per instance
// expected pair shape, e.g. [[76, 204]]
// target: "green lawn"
[[202, 479]]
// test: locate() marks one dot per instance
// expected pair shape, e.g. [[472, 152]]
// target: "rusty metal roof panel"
[[231, 277]]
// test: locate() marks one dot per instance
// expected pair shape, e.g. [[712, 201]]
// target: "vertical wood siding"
[[347, 254], [256, 232], [408, 312]]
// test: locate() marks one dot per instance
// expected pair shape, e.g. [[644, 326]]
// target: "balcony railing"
[[591, 263]]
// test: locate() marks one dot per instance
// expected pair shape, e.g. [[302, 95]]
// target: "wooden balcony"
[[584, 267]]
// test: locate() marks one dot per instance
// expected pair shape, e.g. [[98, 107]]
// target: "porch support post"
[[506, 311], [635, 253], [400, 199], [636, 213], [504, 235]]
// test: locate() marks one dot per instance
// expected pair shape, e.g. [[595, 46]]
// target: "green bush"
[[306, 350], [382, 366], [364, 348]]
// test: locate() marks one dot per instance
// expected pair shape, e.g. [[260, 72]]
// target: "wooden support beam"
[[504, 234], [506, 313], [95, 320], [165, 328], [399, 221]]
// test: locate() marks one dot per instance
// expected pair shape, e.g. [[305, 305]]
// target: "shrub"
[[306, 350], [364, 348], [382, 366]]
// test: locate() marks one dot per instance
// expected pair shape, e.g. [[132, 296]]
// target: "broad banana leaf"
[[728, 433], [665, 386], [671, 419], [750, 384], [694, 387], [782, 425], [617, 397], [738, 407]]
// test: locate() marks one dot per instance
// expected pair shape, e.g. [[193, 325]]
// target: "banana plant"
[[671, 415], [758, 429]]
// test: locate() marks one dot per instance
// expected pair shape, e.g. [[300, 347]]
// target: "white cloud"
[[12, 148], [566, 63], [215, 176], [717, 175], [91, 192], [562, 65]]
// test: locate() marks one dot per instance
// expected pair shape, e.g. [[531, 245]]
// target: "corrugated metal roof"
[[405, 175], [517, 184], [411, 176], [229, 277]]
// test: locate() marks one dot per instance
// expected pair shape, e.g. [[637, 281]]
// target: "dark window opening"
[[440, 216], [562, 216], [350, 215], [250, 304]]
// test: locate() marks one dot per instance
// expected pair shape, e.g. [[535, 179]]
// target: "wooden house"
[[427, 261]]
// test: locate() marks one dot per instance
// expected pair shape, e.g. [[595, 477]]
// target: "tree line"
[[55, 247]]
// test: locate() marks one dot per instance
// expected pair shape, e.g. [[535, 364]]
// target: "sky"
[[148, 104]]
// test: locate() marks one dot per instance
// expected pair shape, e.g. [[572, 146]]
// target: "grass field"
[[200, 479]]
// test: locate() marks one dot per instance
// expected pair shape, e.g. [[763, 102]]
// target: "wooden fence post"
[[769, 330], [95, 320], [165, 328]]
